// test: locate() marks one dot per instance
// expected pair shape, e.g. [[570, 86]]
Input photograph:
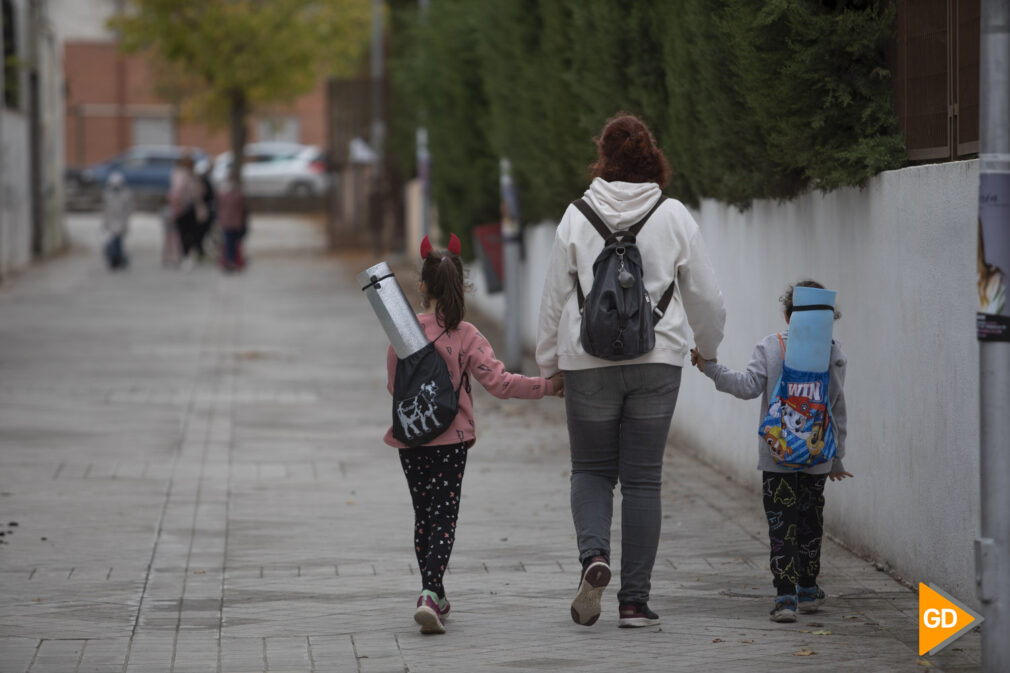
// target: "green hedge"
[[749, 98]]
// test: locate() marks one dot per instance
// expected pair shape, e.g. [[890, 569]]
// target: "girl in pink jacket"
[[435, 471]]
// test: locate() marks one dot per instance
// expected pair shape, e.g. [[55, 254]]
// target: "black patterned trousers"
[[434, 476], [794, 505]]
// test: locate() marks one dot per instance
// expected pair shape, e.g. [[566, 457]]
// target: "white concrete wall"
[[15, 198], [901, 254]]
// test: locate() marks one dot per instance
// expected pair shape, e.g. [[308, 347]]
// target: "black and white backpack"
[[618, 317], [424, 400]]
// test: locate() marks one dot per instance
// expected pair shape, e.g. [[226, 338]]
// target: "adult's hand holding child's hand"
[[558, 380], [699, 361]]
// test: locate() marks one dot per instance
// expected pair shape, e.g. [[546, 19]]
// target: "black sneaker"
[[637, 615], [595, 578]]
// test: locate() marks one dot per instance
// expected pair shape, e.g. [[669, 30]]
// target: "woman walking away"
[[188, 209], [435, 470], [620, 401], [117, 202], [793, 500]]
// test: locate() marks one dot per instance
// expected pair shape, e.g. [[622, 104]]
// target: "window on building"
[[12, 80], [278, 129], [153, 131]]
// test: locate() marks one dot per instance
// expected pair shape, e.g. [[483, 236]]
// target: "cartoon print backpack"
[[618, 318], [798, 428], [424, 400]]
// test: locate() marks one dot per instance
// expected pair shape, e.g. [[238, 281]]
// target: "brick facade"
[[107, 92]]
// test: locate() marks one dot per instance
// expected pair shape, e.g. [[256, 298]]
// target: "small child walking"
[[793, 500], [117, 208], [435, 470]]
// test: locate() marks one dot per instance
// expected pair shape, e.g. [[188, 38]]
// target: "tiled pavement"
[[194, 466]]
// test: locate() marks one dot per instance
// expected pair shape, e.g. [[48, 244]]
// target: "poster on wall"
[[993, 319]]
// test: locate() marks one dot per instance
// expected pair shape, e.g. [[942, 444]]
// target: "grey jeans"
[[618, 422]]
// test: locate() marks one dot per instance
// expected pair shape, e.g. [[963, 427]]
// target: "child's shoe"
[[595, 578], [810, 599], [427, 613], [443, 607], [784, 610], [637, 615]]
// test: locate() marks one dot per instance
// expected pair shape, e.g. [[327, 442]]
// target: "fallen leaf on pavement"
[[821, 633], [717, 640], [850, 617], [925, 664], [804, 653], [747, 640]]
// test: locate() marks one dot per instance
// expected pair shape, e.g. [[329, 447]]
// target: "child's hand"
[[838, 476], [559, 384], [699, 361]]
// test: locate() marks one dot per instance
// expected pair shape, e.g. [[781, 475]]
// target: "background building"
[[112, 102], [31, 135]]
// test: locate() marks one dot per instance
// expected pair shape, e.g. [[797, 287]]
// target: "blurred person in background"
[[170, 248], [188, 209], [117, 207], [209, 214], [233, 218]]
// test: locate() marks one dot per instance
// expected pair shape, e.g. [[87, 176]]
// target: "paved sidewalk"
[[194, 466]]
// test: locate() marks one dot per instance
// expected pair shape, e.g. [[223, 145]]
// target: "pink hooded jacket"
[[465, 349]]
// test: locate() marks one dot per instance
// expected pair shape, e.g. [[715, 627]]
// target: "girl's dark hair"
[[787, 297], [627, 151], [442, 275]]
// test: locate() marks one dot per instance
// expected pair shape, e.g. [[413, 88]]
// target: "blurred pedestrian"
[[233, 217], [619, 411], [170, 247], [793, 498], [209, 212], [117, 202], [188, 208]]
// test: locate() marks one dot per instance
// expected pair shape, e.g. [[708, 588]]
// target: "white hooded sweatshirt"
[[672, 248]]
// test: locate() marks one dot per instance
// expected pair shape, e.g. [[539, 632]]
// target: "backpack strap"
[[637, 227], [782, 346], [601, 228]]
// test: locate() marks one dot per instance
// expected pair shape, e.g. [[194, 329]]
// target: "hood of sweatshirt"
[[621, 204]]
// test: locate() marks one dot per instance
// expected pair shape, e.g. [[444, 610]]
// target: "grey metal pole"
[[423, 173], [992, 550], [378, 130], [511, 240], [424, 155]]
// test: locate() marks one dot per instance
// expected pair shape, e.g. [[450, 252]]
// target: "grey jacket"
[[760, 378]]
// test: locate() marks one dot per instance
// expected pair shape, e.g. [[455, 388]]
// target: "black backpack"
[[424, 399], [618, 318]]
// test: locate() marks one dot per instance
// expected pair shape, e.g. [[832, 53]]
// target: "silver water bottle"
[[392, 309]]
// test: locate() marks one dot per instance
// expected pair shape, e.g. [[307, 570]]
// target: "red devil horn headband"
[[455, 247]]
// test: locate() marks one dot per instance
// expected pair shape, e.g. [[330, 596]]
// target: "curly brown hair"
[[627, 151]]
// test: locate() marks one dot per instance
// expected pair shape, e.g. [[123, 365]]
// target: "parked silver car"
[[277, 169]]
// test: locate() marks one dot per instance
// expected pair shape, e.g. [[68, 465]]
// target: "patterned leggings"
[[794, 505], [434, 476]]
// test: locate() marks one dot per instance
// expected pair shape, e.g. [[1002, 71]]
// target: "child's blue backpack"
[[798, 428]]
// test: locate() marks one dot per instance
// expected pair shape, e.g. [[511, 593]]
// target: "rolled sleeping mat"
[[809, 345], [392, 309]]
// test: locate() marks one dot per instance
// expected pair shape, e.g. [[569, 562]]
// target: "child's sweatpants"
[[794, 505], [434, 476]]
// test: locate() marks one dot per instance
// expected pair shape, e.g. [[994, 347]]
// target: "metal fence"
[[934, 63]]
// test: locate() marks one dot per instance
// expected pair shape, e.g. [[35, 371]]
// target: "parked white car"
[[277, 169]]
